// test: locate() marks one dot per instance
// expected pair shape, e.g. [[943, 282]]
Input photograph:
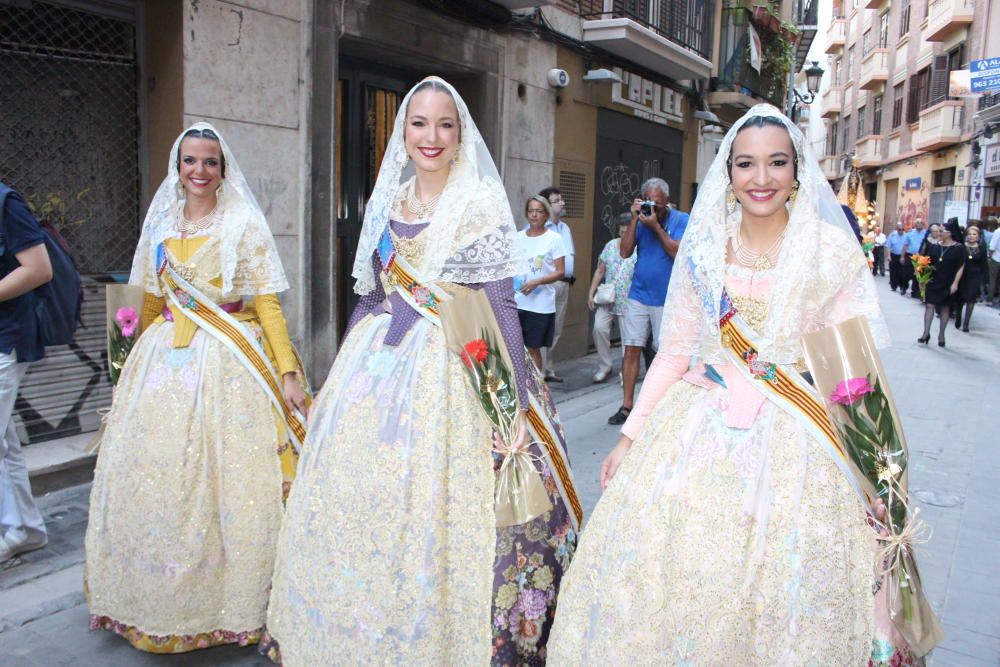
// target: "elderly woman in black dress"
[[948, 259], [973, 277]]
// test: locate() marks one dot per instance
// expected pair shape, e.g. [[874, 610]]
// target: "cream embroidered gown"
[[727, 537], [187, 494]]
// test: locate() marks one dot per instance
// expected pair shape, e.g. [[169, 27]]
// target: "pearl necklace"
[[191, 227], [758, 261], [420, 209]]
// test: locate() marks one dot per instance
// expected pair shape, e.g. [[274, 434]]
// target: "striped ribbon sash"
[[210, 317], [786, 387], [543, 420]]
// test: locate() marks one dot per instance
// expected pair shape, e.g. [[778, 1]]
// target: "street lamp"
[[813, 76]]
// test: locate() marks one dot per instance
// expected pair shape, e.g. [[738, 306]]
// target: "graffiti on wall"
[[912, 205]]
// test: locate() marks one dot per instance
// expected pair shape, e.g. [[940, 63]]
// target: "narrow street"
[[946, 395]]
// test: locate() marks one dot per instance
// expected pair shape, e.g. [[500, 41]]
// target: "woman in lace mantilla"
[[726, 535], [389, 552], [195, 460]]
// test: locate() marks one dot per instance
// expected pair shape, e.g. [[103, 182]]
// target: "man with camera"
[[557, 206], [655, 233]]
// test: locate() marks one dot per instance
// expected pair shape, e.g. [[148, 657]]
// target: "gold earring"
[[791, 198], [730, 199], [457, 159]]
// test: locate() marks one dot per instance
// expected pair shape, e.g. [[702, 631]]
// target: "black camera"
[[646, 207]]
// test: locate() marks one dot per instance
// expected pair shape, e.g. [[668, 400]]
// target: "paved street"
[[946, 396]]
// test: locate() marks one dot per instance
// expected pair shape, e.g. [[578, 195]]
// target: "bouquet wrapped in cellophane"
[[124, 304], [473, 334], [848, 374]]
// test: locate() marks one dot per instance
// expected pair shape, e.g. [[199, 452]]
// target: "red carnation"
[[476, 349]]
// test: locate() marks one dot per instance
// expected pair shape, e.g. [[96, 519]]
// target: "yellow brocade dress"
[[192, 471]]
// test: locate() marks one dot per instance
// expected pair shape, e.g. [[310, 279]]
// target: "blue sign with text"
[[912, 184], [984, 75]]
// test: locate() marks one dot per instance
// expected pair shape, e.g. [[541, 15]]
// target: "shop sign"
[[984, 75], [647, 99], [991, 163], [957, 209], [912, 183]]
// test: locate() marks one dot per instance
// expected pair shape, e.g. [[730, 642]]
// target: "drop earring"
[[730, 199], [790, 204]]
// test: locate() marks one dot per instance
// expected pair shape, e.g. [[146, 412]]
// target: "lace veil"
[[471, 237], [821, 278], [250, 261]]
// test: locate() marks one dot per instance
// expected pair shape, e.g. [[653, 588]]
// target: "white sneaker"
[[15, 544], [601, 376]]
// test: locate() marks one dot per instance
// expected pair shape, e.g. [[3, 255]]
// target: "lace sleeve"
[[368, 302], [665, 370], [857, 296], [501, 296]]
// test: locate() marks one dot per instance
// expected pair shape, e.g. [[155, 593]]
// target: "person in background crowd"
[[654, 235], [535, 294], [615, 270], [973, 277], [24, 265], [915, 241], [949, 261], [557, 207], [932, 237], [897, 244], [994, 266], [879, 252]]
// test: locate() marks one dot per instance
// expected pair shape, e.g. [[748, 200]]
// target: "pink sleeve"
[[662, 374]]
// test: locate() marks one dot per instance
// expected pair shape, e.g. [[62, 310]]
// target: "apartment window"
[[838, 65], [904, 19], [861, 123], [847, 132], [920, 94], [877, 115], [883, 31], [943, 177], [831, 138], [897, 105], [850, 64], [956, 58], [866, 43]]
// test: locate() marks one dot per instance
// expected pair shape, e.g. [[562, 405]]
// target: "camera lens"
[[646, 209]]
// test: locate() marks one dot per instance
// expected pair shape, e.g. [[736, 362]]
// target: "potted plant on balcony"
[[767, 16]]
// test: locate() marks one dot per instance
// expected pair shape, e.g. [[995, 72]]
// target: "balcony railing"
[[831, 166], [987, 101], [940, 125], [831, 101], [687, 23], [895, 145], [736, 73], [875, 69], [836, 35], [946, 16], [868, 151]]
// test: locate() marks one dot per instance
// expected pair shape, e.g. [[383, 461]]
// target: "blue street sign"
[[984, 75], [912, 184]]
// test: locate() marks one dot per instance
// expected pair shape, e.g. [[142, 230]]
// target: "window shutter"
[[939, 80]]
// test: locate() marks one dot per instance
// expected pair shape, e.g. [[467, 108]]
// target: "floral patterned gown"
[[727, 537], [389, 553]]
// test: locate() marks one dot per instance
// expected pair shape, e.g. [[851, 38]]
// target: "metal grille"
[[573, 186], [69, 127]]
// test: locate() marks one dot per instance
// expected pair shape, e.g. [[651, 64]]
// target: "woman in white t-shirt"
[[535, 293]]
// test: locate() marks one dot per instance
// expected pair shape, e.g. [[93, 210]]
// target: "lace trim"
[[174, 643]]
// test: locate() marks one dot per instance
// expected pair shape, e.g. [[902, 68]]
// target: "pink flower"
[[850, 391], [128, 320]]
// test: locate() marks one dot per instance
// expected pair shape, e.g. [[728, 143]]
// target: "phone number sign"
[[984, 75]]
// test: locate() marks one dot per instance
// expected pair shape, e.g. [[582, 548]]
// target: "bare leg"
[[536, 356], [630, 372]]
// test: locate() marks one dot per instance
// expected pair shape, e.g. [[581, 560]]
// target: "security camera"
[[558, 78]]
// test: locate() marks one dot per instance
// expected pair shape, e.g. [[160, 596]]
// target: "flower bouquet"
[[124, 303], [923, 270], [473, 334], [851, 381]]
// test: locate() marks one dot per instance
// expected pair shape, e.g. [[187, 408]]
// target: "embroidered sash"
[[543, 420], [784, 386], [210, 317]]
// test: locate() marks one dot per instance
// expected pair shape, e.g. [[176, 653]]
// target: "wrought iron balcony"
[[668, 36], [736, 75]]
